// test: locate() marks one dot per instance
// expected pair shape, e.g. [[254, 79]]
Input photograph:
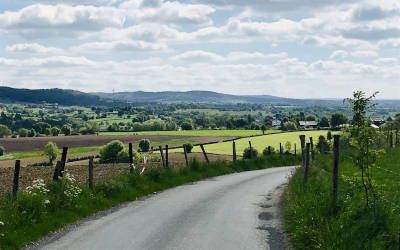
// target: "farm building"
[[308, 125]]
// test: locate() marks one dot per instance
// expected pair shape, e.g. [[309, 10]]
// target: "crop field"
[[225, 132], [102, 172], [261, 142], [37, 143]]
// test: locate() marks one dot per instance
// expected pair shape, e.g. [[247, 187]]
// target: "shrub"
[[144, 145], [249, 153], [188, 147], [51, 151], [288, 146], [329, 136], [110, 152], [2, 151], [32, 133], [23, 132], [322, 145], [269, 151]]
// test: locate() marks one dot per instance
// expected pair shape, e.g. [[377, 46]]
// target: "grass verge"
[[44, 208], [314, 223]]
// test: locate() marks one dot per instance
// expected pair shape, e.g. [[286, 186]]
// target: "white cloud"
[[33, 48], [197, 56], [42, 20], [168, 12]]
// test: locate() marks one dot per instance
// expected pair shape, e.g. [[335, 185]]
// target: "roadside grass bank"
[[45, 207], [313, 222]]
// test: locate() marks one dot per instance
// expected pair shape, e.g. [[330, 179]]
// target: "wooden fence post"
[[57, 171], [204, 153], [335, 175], [186, 156], [307, 161], [90, 175], [280, 149], [162, 156], [63, 159], [312, 148], [234, 151], [16, 178], [269, 150], [295, 149], [303, 145], [166, 157], [131, 167]]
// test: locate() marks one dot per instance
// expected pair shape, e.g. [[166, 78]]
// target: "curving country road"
[[237, 211]]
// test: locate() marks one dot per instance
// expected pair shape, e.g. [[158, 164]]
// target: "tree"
[[187, 125], [66, 130], [324, 122], [90, 128], [338, 119], [41, 127], [4, 131], [51, 151], [55, 131], [23, 132], [113, 128], [263, 128], [289, 126], [363, 137], [144, 145], [110, 152]]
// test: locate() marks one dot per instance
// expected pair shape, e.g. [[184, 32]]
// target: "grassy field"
[[236, 133], [312, 222], [262, 142]]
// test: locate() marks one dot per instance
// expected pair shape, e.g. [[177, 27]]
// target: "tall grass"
[[314, 223], [30, 217]]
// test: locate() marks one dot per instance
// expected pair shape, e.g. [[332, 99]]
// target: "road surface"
[[237, 211]]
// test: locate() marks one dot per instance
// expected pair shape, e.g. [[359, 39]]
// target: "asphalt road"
[[237, 211]]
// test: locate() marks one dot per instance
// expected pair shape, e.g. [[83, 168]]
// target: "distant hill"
[[207, 97], [60, 96], [73, 97]]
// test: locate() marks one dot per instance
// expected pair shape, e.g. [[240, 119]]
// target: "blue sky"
[[291, 48]]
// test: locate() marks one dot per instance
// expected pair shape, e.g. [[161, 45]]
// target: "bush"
[[288, 146], [23, 132], [32, 133], [66, 130], [144, 145], [51, 151], [188, 147], [110, 152], [249, 153], [2, 151], [269, 151]]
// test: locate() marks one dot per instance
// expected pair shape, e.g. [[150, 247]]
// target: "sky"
[[289, 48]]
